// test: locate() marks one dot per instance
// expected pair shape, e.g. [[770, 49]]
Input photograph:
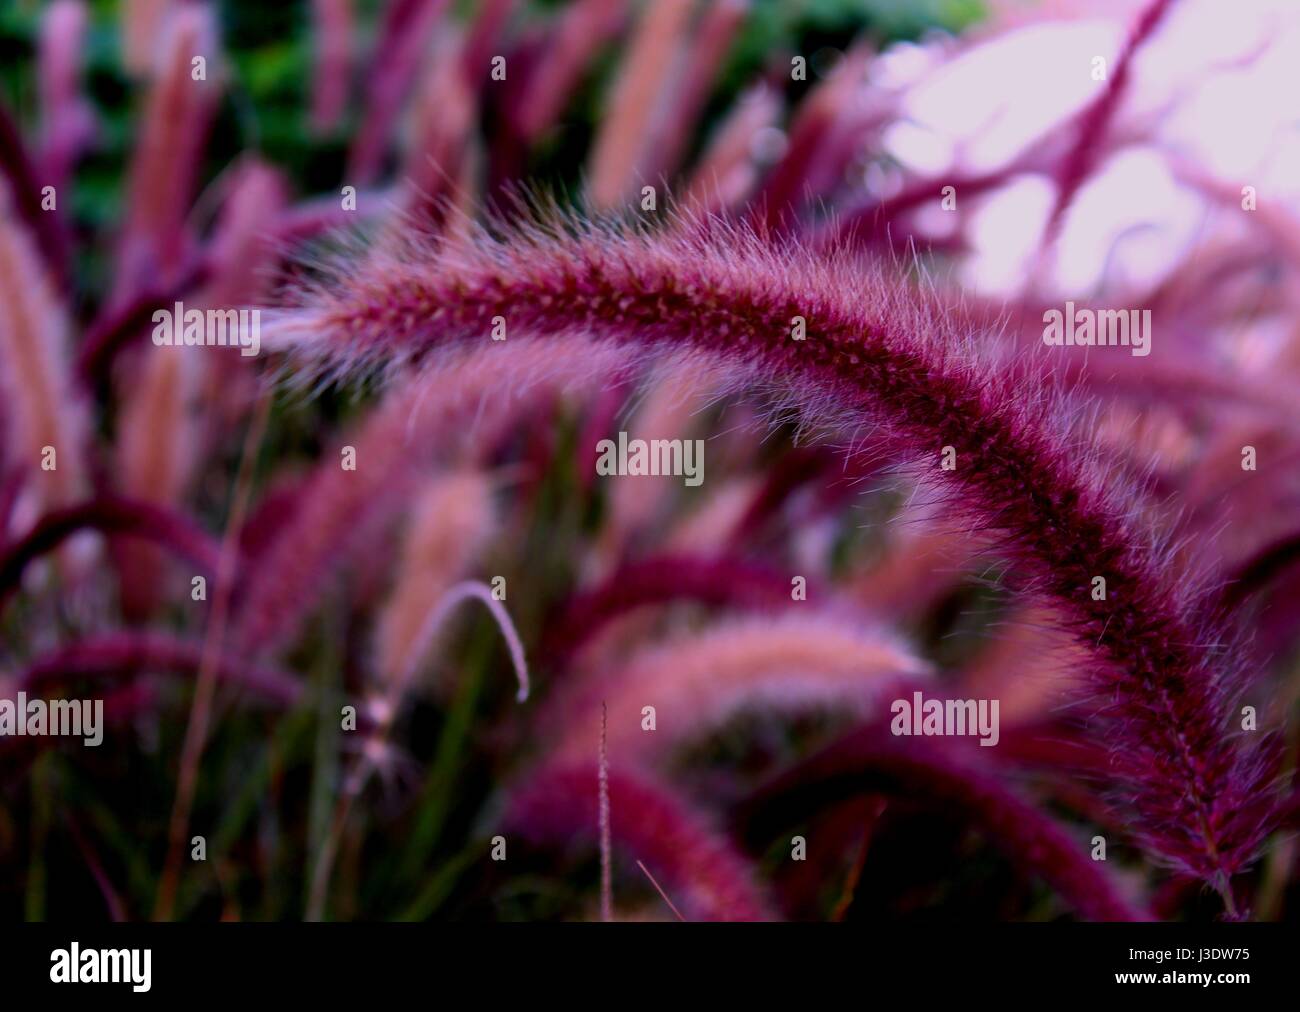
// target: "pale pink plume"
[[333, 28], [789, 663], [141, 28], [729, 168], [177, 400], [639, 99], [156, 454], [714, 521], [583, 27], [178, 112], [446, 109], [450, 522], [925, 553], [713, 33], [43, 409], [678, 391], [435, 617], [401, 49], [242, 270]]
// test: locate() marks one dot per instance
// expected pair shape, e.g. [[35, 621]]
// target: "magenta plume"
[[403, 43], [814, 149], [1093, 122], [67, 118], [876, 350], [111, 655], [485, 37], [606, 845], [659, 580], [110, 515], [19, 175], [559, 806], [869, 761]]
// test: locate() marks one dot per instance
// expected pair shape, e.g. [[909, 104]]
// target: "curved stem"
[[110, 514]]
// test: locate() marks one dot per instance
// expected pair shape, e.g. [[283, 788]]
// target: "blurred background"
[[1004, 155]]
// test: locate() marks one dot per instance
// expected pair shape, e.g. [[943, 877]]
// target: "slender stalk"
[[606, 889], [213, 644], [375, 746]]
